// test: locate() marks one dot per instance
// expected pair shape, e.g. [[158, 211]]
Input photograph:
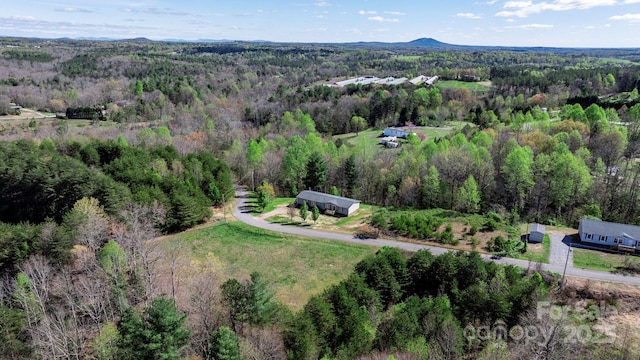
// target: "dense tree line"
[[418, 306], [40, 183]]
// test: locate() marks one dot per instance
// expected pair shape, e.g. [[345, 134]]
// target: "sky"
[[554, 23]]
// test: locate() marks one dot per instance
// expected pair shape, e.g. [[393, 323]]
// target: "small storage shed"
[[536, 233]]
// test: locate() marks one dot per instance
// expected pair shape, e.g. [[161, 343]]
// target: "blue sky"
[[563, 23]]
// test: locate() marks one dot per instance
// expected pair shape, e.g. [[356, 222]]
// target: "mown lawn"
[[369, 140], [455, 84], [597, 260], [538, 252], [296, 267]]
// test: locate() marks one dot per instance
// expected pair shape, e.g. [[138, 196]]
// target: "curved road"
[[241, 213]]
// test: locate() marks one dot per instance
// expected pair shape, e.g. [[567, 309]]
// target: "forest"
[[144, 138]]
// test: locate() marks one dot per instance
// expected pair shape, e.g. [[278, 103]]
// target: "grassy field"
[[455, 84], [538, 252], [371, 138], [296, 267], [409, 58], [597, 260]]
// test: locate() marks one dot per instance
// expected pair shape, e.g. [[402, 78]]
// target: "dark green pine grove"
[[418, 305]]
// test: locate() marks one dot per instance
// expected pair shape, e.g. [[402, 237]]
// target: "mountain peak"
[[427, 42]]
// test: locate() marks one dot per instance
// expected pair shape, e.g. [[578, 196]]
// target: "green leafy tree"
[[294, 162], [358, 123], [413, 139], [468, 199], [316, 175], [596, 118], [570, 179], [223, 345], [518, 174], [122, 142], [104, 345], [253, 156], [431, 188], [265, 193], [159, 334], [315, 214], [113, 261], [304, 211]]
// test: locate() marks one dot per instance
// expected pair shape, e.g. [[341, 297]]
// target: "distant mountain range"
[[422, 43]]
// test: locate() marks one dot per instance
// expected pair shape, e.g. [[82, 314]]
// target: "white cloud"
[[322, 3], [517, 4], [30, 24], [398, 13], [531, 26], [381, 19], [367, 12], [73, 10], [468, 16], [629, 17], [21, 18], [631, 1], [525, 8], [157, 11]]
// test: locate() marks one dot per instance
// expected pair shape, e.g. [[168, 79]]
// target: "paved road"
[[241, 213]]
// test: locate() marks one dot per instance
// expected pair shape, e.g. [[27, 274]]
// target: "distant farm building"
[[327, 203], [536, 233], [399, 81], [395, 132], [418, 80], [389, 141], [431, 80], [619, 236], [370, 79]]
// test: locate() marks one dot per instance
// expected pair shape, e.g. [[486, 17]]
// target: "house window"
[[589, 236], [603, 238], [618, 240]]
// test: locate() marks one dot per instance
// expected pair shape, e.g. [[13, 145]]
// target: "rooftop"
[[609, 229], [319, 197]]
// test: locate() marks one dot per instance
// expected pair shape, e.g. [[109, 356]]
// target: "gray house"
[[389, 132], [618, 236], [327, 203], [536, 233]]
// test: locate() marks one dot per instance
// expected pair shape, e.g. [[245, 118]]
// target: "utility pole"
[[562, 284]]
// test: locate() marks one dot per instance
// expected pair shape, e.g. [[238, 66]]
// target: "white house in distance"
[[395, 132], [619, 236], [328, 203], [536, 233]]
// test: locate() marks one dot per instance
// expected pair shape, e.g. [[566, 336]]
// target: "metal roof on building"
[[609, 229], [537, 228], [319, 197]]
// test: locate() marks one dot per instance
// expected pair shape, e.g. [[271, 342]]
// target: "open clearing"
[[597, 260], [296, 267], [455, 84], [371, 138]]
